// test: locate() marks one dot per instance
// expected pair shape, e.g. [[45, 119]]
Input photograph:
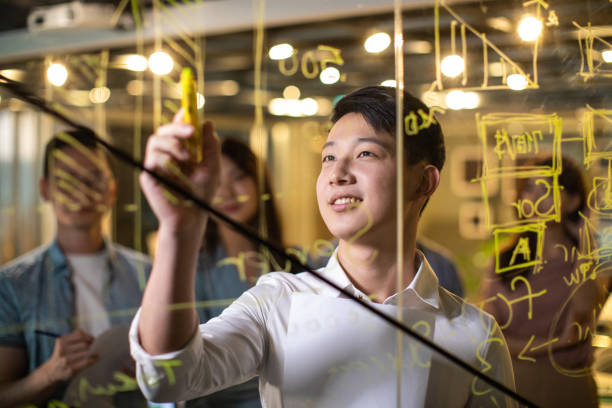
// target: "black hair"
[[244, 158], [423, 140], [85, 137]]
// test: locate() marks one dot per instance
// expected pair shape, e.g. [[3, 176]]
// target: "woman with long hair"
[[229, 263], [548, 308]]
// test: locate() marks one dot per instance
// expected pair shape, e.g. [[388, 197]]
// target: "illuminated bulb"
[[99, 95], [135, 87], [516, 82], [471, 100], [291, 92], [377, 43], [160, 63], [496, 69], [14, 74], [277, 107], [136, 62], [529, 28], [330, 75], [294, 107], [200, 100], [57, 74], [452, 66], [230, 87], [308, 107], [455, 100], [607, 55], [281, 51], [389, 82]]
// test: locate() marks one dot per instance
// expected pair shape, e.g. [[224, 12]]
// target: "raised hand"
[[167, 155]]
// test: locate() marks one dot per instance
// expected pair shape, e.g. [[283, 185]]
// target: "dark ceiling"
[[231, 56]]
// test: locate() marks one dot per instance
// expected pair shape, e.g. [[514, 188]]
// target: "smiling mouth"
[[346, 200]]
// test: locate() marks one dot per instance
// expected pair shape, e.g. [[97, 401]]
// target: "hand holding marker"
[[189, 103]]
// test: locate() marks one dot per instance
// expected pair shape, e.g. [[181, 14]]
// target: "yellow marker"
[[189, 102]]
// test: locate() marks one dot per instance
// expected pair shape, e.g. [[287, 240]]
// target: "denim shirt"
[[36, 293], [217, 285]]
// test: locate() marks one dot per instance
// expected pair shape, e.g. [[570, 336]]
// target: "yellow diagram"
[[587, 41], [597, 134], [525, 254], [514, 139], [465, 29]]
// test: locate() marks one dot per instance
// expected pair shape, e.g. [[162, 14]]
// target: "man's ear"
[[430, 180], [43, 187]]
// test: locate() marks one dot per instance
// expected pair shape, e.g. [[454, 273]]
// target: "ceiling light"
[[516, 82], [291, 92], [454, 99], [200, 100], [135, 62], [500, 23], [277, 106], [377, 43], [281, 51], [309, 106], [496, 69], [607, 55], [99, 95], [135, 87], [471, 100], [452, 66], [529, 28], [389, 82], [230, 87], [294, 107], [57, 74], [330, 75], [161, 63], [417, 47], [14, 74]]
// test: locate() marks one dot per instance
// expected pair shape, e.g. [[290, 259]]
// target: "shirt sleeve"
[[495, 363], [11, 329], [225, 351]]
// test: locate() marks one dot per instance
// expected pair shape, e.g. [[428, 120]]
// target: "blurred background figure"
[[441, 261], [230, 263], [55, 300], [548, 313]]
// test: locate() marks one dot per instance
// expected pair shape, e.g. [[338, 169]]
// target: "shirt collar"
[[60, 262], [422, 289]]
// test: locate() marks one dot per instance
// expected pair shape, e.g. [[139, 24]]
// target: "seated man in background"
[[55, 300], [308, 343]]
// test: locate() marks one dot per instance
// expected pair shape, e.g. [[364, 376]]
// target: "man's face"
[[79, 186], [357, 184]]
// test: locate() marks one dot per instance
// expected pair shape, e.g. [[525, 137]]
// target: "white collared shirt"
[[260, 334]]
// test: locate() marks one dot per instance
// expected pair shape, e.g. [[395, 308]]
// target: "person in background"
[[255, 335], [441, 262], [562, 312], [55, 300], [229, 263]]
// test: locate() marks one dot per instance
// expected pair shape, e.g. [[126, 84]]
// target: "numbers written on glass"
[[312, 62]]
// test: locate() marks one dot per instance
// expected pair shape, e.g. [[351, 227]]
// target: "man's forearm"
[[168, 318], [35, 388]]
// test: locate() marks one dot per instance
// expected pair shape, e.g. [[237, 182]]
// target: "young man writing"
[[73, 289], [264, 332]]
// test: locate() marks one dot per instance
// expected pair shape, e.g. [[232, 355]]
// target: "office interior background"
[[506, 79]]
